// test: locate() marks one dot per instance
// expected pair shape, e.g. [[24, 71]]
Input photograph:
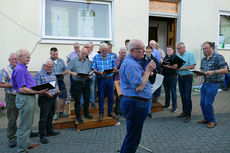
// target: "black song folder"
[[108, 71], [177, 60], [48, 86]]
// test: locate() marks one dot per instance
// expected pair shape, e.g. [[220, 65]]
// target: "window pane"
[[76, 19], [224, 32]]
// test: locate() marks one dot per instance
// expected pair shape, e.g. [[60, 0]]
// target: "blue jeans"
[[92, 89], [150, 105], [170, 86], [208, 94], [185, 87], [135, 113], [105, 85], [157, 93]]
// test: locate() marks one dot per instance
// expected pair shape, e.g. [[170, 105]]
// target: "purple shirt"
[[22, 78], [71, 56], [118, 60]]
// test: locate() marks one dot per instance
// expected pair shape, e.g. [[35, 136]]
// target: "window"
[[77, 20], [224, 30]]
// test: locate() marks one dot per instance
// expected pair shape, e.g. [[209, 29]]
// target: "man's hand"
[[151, 66], [42, 91], [48, 94], [74, 74], [209, 73]]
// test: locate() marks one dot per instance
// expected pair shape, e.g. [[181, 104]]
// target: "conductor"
[[136, 94]]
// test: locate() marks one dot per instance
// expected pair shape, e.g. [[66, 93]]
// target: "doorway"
[[163, 31]]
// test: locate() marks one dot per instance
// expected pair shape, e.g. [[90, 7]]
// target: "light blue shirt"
[[190, 59], [131, 76], [156, 54]]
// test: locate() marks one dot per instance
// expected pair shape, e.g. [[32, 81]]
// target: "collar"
[[43, 71], [22, 65]]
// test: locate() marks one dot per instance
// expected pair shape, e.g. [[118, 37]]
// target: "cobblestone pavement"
[[163, 133]]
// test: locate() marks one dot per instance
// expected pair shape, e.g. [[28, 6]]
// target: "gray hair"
[[46, 62], [20, 53], [181, 44], [12, 55], [103, 45], [122, 49], [133, 43]]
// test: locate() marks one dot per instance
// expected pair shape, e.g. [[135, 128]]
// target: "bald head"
[[152, 43], [136, 48], [12, 59], [83, 53]]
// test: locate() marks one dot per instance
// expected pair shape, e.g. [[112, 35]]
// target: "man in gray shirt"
[[79, 68]]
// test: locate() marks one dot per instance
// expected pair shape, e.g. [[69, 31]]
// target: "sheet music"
[[158, 82], [53, 83]]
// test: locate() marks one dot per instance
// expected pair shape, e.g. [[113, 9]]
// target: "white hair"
[[103, 45], [46, 62], [11, 55], [122, 49], [20, 53], [181, 44]]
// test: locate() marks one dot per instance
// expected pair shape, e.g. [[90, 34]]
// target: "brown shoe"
[[187, 119], [181, 115], [100, 118], [33, 146], [113, 115], [202, 122], [211, 125]]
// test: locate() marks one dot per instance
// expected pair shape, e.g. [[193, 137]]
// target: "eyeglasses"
[[206, 48]]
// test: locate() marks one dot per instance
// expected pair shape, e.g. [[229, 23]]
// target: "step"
[[94, 123], [63, 123]]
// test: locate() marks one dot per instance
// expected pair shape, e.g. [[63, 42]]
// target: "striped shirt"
[[43, 77], [103, 64], [5, 77]]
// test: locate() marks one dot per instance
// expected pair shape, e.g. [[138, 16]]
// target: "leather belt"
[[137, 98], [171, 75], [108, 77], [186, 76]]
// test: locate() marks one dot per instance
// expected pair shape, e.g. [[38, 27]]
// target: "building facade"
[[39, 25]]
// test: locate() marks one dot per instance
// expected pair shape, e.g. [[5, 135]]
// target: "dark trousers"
[[135, 113], [81, 87], [12, 116], [47, 111], [71, 86], [170, 88], [185, 87]]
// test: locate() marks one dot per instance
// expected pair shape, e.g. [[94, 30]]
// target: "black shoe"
[[33, 134], [12, 143], [187, 119], [149, 115], [53, 133], [88, 116], [93, 105], [79, 120], [181, 115], [44, 140]]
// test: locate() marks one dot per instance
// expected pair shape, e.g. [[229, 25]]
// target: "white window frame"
[[227, 46], [70, 40]]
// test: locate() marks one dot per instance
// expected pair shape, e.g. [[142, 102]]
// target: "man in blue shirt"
[[136, 92], [185, 80], [102, 62]]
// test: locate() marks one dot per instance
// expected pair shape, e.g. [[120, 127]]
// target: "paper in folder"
[[180, 62], [49, 86], [108, 71]]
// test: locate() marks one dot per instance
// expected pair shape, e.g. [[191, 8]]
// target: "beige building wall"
[[199, 23]]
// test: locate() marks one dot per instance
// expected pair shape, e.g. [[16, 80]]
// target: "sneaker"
[[93, 105], [182, 115], [149, 115], [174, 110], [63, 114], [12, 143], [165, 107], [44, 140], [55, 117]]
